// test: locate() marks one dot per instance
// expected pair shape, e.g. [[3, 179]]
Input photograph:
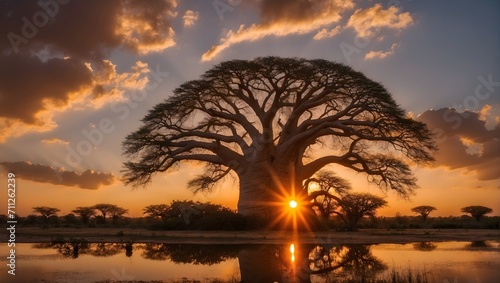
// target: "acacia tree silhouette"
[[423, 210], [265, 120]]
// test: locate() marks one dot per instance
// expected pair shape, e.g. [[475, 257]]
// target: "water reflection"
[[424, 246], [71, 249], [345, 261], [296, 263], [76, 247], [193, 254], [290, 262], [479, 244]]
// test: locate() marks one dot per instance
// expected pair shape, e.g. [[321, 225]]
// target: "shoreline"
[[364, 236]]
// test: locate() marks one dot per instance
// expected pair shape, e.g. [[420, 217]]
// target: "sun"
[[293, 203]]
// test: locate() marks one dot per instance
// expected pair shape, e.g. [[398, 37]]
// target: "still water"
[[441, 262]]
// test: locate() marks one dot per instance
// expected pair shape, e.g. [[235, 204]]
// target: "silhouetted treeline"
[[190, 215], [416, 222]]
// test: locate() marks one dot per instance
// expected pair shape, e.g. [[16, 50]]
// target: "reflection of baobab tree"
[[281, 263], [264, 263], [424, 246], [193, 254]]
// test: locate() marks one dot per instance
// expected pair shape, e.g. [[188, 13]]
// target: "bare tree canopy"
[[265, 120]]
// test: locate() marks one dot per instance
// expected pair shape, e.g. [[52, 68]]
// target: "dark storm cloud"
[[46, 174], [465, 141]]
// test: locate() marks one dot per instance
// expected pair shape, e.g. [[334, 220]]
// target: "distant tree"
[[325, 190], [261, 119], [117, 212], [423, 210], [159, 211], [105, 209], [355, 206], [46, 211], [477, 211], [85, 212]]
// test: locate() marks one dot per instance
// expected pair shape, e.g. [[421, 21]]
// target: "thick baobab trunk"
[[256, 187], [265, 191]]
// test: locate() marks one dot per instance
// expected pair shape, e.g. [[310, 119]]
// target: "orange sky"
[[82, 84]]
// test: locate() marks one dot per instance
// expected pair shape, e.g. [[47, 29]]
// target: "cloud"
[[381, 54], [32, 91], [367, 22], [190, 18], [282, 18], [86, 28], [325, 33], [46, 174], [54, 141], [52, 57], [464, 140]]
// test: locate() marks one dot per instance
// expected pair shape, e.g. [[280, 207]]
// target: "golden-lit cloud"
[[368, 22], [46, 174], [144, 27], [46, 88], [381, 54], [490, 114], [283, 18], [60, 64], [55, 141], [190, 18], [326, 33], [465, 142]]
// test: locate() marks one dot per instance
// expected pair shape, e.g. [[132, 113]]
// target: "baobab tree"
[[477, 211], [423, 210], [270, 121]]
